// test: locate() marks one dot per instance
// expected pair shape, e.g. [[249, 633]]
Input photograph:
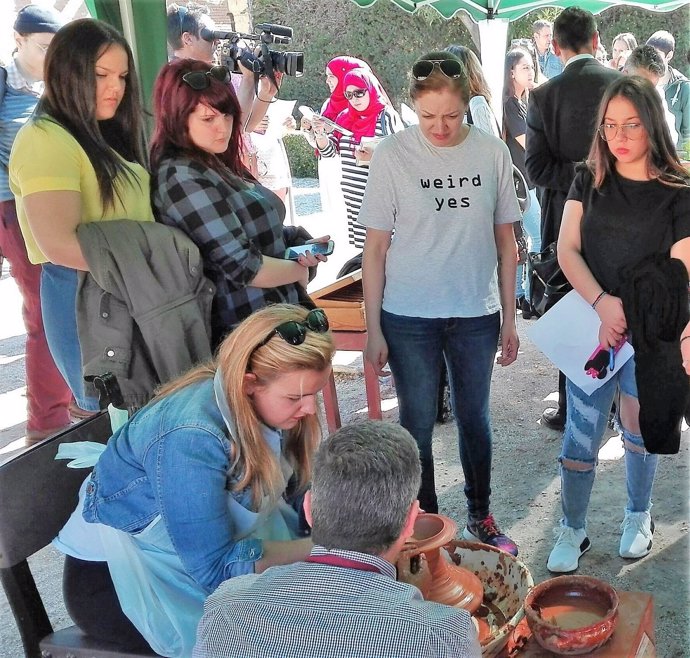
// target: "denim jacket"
[[172, 459]]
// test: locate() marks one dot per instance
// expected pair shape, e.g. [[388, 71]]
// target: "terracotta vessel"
[[450, 584], [572, 615]]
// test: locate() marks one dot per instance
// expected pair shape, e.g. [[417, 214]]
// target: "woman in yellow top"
[[80, 159]]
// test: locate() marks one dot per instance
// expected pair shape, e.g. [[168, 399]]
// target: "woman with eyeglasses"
[[628, 208], [442, 286], [330, 171], [201, 187], [78, 159], [21, 85], [204, 484], [517, 83], [369, 114]]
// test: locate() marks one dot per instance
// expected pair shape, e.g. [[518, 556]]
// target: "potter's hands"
[[414, 570], [283, 552], [510, 343], [613, 323], [376, 352]]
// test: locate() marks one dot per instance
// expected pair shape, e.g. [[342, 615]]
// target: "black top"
[[515, 122], [627, 220]]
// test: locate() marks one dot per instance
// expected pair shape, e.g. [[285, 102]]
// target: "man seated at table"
[[344, 600]]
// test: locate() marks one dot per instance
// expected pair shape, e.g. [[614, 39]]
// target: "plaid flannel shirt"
[[234, 224]]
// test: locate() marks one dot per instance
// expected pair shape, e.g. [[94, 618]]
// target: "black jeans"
[[93, 605]]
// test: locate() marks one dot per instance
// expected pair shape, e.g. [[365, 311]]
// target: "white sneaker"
[[636, 540], [570, 545]]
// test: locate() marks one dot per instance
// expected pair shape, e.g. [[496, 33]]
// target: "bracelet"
[[598, 299], [684, 338], [263, 100]]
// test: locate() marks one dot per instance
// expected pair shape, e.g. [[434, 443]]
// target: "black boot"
[[427, 491]]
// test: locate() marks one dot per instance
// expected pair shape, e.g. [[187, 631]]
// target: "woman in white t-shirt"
[[431, 289]]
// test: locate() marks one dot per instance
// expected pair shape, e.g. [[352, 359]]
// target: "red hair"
[[174, 100]]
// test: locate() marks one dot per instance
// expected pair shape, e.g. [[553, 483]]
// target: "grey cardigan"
[[144, 307]]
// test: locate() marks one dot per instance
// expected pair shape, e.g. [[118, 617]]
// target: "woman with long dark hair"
[[79, 159], [517, 83], [629, 204], [201, 187]]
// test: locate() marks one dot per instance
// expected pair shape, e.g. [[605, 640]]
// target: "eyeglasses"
[[295, 332], [609, 131], [43, 48], [357, 93], [451, 68], [200, 80]]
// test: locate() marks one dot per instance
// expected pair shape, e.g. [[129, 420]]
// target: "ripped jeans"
[[586, 422]]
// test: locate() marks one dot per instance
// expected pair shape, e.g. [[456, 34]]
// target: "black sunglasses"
[[451, 68], [295, 332], [357, 93], [200, 80]]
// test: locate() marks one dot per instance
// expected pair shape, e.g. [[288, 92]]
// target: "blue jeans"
[[58, 305], [416, 349], [531, 223], [586, 421]]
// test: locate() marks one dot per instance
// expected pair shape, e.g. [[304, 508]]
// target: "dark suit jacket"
[[561, 121]]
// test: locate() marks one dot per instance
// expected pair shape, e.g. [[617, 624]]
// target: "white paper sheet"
[[568, 334], [278, 111]]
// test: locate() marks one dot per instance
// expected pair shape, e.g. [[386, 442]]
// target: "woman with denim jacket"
[[203, 484]]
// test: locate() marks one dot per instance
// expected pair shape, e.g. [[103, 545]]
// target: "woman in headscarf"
[[332, 202], [369, 114]]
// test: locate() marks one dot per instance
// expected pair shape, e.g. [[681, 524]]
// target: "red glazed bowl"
[[572, 615]]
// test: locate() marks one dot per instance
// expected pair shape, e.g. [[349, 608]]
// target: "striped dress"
[[354, 176]]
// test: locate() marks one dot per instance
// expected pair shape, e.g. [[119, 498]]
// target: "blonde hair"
[[240, 353]]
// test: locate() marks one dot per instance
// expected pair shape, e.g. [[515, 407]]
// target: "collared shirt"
[[326, 611], [577, 58], [17, 81]]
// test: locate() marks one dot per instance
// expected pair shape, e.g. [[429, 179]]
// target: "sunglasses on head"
[[200, 80], [355, 93], [422, 69], [295, 331]]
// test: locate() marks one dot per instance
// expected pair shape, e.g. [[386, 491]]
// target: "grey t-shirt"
[[443, 203]]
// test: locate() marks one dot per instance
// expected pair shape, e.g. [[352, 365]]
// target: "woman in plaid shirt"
[[201, 187]]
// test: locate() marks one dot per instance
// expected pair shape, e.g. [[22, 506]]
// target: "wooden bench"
[[37, 496]]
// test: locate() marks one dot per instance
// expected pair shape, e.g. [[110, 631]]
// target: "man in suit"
[[561, 122]]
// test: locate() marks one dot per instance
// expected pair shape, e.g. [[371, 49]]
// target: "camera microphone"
[[215, 35], [276, 30]]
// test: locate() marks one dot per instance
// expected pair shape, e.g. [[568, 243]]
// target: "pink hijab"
[[363, 124], [339, 66]]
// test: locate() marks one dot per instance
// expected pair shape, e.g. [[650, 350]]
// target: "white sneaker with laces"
[[636, 540], [570, 545]]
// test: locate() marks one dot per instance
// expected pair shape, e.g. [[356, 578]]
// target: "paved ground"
[[525, 485]]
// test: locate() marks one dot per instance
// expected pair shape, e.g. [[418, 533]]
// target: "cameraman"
[[185, 25]]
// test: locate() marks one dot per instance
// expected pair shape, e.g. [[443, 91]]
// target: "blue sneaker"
[[487, 532]]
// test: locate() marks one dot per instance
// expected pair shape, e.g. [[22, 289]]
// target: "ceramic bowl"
[[572, 615], [506, 581]]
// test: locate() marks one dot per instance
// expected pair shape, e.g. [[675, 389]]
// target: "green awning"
[[512, 9]]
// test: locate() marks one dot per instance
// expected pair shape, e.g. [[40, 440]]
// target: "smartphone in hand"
[[316, 248]]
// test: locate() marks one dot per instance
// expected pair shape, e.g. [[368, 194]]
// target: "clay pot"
[[572, 615], [450, 584]]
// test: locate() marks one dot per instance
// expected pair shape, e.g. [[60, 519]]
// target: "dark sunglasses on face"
[[422, 69], [295, 332], [356, 93], [200, 80]]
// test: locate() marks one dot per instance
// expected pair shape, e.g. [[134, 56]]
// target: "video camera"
[[235, 50]]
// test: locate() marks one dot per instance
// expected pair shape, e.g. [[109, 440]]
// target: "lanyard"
[[346, 563]]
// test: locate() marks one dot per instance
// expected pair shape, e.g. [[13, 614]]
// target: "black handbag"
[[547, 281]]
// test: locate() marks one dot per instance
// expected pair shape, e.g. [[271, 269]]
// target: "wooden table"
[[352, 341]]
